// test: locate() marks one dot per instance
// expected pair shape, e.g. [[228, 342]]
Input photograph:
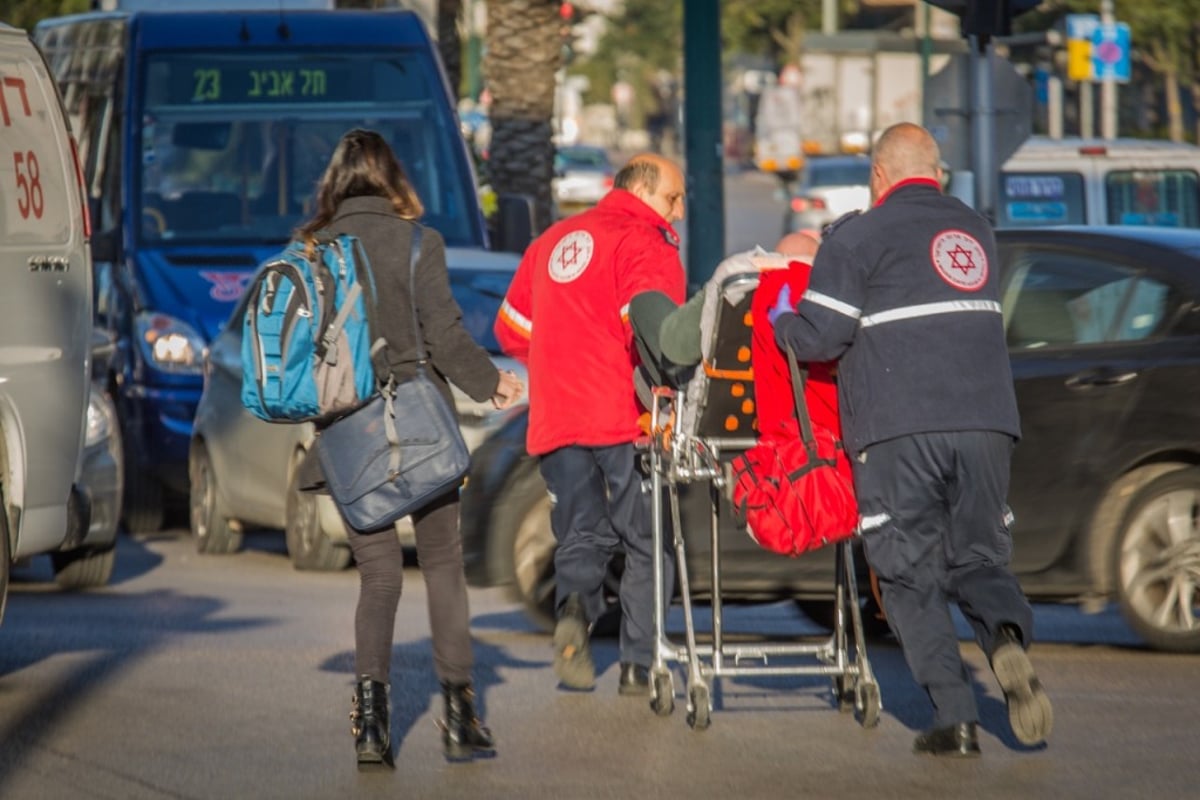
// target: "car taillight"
[[802, 204], [83, 198]]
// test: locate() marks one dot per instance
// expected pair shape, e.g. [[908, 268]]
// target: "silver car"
[[582, 176], [829, 187], [243, 469]]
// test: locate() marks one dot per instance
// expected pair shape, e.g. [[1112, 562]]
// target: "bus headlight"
[[168, 343]]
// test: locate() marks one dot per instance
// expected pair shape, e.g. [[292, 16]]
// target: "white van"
[[1100, 182], [45, 320]]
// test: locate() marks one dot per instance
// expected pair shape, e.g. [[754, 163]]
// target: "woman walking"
[[365, 193]]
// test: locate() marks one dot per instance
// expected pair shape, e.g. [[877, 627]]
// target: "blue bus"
[[202, 136]]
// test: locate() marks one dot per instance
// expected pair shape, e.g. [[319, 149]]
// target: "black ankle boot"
[[463, 733], [372, 724]]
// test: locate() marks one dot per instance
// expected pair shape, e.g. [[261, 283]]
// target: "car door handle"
[[1099, 377], [49, 264]]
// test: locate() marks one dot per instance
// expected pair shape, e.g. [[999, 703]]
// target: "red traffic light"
[[566, 11]]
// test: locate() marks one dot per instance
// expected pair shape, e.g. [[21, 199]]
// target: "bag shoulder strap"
[[414, 255], [799, 376]]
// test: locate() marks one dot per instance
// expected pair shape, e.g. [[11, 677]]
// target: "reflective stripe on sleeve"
[[869, 522], [833, 304], [929, 310], [516, 320]]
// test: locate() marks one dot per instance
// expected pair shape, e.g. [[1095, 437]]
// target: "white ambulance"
[[45, 326]]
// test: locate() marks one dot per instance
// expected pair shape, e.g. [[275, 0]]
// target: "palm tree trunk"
[[524, 53], [450, 42]]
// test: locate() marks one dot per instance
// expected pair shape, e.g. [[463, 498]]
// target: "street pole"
[[983, 125], [829, 17], [1087, 114], [1108, 84], [702, 139]]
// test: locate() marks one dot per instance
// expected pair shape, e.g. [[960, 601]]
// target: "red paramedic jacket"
[[566, 314]]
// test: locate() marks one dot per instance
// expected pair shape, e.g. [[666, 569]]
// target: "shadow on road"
[[104, 631], [415, 685]]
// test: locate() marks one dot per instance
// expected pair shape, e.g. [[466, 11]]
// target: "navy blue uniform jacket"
[[906, 295]]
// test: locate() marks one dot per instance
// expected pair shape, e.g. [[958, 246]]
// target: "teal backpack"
[[307, 343]]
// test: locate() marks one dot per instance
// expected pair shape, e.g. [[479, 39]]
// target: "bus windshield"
[[232, 145]]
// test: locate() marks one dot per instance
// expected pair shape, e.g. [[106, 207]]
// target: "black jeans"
[[600, 508], [380, 561]]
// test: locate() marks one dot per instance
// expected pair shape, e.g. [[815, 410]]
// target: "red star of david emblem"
[[570, 255], [961, 259]]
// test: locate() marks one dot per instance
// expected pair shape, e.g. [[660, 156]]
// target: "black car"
[[1104, 337]]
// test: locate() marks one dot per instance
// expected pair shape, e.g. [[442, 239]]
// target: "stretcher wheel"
[[844, 694], [699, 707], [868, 704], [663, 698]]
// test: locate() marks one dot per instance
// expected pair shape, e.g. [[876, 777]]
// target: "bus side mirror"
[[514, 223], [106, 246]]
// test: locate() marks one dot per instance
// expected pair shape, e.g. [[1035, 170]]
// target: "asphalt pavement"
[[230, 677]]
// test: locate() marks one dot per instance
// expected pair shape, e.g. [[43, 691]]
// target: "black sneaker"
[[572, 655], [635, 680], [1029, 711], [956, 741]]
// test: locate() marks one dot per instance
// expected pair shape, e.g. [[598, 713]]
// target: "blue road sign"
[[1111, 52], [1082, 26]]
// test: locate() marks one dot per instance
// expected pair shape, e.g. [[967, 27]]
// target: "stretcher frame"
[[676, 457]]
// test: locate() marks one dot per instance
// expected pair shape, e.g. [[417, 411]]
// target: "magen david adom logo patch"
[[571, 256], [960, 259]]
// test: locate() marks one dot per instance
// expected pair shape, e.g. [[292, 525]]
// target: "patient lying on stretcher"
[[669, 336]]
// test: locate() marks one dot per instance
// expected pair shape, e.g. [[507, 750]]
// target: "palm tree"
[[449, 41], [524, 53]]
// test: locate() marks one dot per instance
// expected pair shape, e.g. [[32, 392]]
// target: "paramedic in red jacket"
[[567, 315]]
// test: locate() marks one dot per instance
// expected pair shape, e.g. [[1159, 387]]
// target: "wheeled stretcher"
[[694, 431]]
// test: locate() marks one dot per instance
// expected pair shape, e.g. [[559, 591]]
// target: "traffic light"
[[569, 16], [986, 17]]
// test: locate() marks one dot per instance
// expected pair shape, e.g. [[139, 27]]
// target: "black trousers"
[[599, 507], [380, 561], [936, 530]]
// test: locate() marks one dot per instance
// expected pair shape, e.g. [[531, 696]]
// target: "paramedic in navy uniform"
[[906, 295]]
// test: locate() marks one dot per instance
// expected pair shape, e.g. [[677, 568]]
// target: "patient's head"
[[801, 244]]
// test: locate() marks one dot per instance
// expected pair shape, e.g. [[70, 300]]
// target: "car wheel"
[[143, 509], [522, 536], [210, 526], [523, 542], [1158, 562], [307, 544], [83, 569]]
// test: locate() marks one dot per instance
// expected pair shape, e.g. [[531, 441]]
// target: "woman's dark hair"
[[362, 165]]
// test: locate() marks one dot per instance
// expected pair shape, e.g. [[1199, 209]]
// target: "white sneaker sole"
[[1029, 712]]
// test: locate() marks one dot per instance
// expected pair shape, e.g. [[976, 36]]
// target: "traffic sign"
[[1111, 52], [1081, 28]]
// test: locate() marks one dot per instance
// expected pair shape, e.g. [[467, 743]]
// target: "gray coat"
[[453, 354]]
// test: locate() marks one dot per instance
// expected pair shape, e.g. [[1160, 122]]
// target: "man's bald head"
[[904, 151], [800, 244], [656, 181]]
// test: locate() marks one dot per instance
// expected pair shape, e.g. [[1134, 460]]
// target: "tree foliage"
[[27, 13]]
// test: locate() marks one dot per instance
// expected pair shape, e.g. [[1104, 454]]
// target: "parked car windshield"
[[1032, 199], [581, 158], [857, 173], [1165, 197], [233, 145]]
